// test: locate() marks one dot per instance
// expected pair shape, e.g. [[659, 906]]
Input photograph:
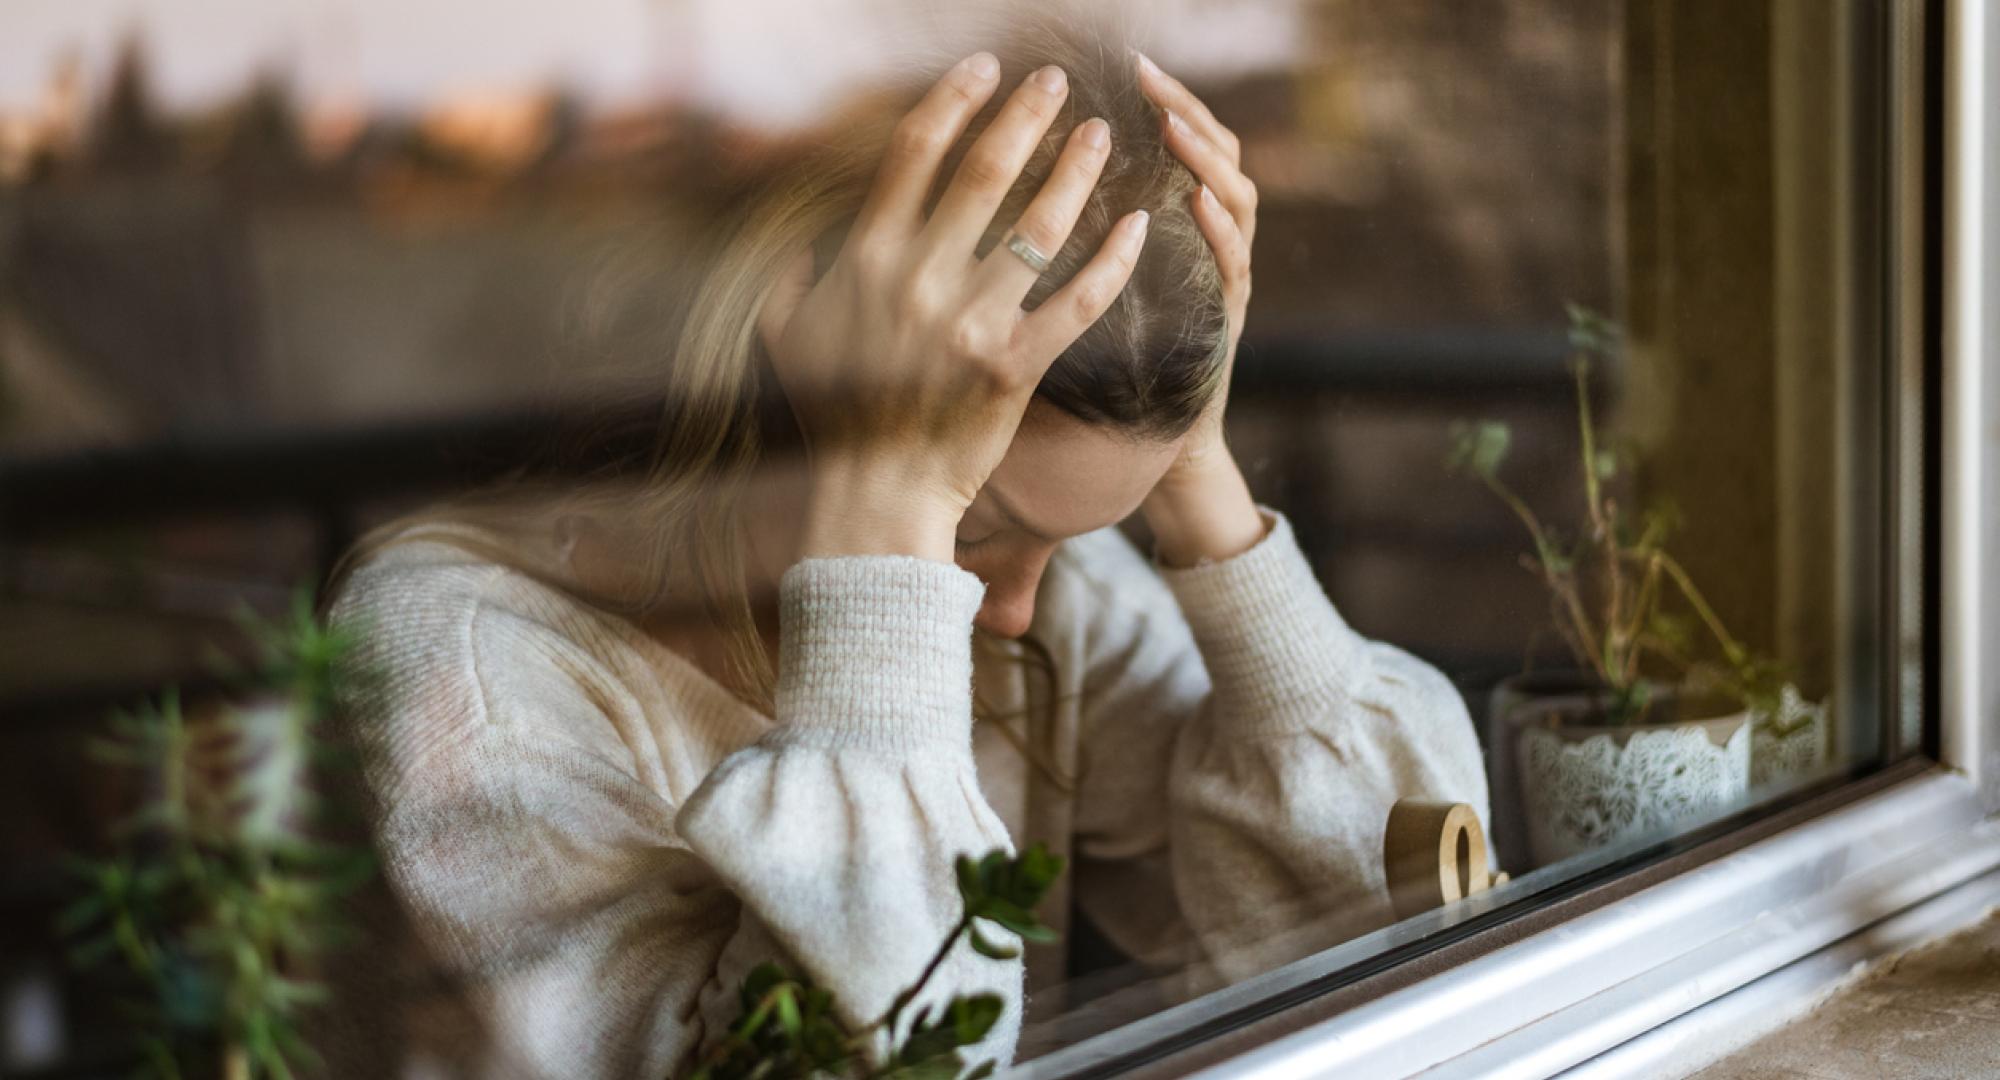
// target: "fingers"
[[919, 144], [1168, 93], [1232, 248], [1216, 171], [1064, 317], [1195, 136], [1005, 277], [990, 168]]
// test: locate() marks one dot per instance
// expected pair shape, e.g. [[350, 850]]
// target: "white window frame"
[[1661, 970]]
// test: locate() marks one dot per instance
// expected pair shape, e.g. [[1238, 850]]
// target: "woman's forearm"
[[867, 510], [1203, 512]]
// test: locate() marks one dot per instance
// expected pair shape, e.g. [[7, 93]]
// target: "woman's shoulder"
[[459, 598], [455, 647], [438, 570]]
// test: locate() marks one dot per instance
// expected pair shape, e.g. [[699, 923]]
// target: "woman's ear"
[[794, 282]]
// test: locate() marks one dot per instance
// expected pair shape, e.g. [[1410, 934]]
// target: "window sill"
[[1555, 988]]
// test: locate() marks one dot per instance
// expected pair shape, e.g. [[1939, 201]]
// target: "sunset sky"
[[766, 61]]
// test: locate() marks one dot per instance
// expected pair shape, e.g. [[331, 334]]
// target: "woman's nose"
[[1007, 614], [1010, 594]]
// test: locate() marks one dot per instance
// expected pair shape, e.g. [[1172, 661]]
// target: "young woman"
[[868, 612]]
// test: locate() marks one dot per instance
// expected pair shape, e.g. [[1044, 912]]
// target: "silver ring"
[[1019, 245]]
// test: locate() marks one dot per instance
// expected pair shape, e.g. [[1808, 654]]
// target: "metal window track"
[[1584, 987]]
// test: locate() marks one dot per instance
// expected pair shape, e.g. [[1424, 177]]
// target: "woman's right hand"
[[910, 362]]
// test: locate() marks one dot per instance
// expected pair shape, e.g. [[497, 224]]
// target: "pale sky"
[[766, 61]]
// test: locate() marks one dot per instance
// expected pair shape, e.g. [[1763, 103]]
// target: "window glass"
[[543, 334]]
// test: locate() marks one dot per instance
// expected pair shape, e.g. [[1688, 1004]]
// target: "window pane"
[[563, 349]]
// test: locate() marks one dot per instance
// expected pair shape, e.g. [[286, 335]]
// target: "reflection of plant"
[[1609, 587], [789, 1028], [223, 893]]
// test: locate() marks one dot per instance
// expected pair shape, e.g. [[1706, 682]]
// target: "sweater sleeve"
[[599, 925], [537, 867], [839, 829], [1279, 739]]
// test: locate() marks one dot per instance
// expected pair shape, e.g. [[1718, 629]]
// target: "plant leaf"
[[970, 888], [1591, 331], [972, 1017], [1479, 448], [990, 949], [788, 1013]]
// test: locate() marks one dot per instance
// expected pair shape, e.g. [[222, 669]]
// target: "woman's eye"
[[967, 545]]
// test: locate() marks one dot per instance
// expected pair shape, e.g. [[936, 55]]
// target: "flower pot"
[[1510, 829], [1584, 783]]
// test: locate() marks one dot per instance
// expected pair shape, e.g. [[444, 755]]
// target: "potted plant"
[[1654, 724], [227, 887]]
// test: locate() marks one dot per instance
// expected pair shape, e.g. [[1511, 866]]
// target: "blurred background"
[[273, 271], [318, 233]]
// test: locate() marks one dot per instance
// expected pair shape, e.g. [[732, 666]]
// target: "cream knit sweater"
[[596, 842]]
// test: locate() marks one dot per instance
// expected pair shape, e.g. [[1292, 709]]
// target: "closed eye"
[[970, 545]]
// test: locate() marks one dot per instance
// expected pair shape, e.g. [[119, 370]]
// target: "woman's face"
[[1060, 478]]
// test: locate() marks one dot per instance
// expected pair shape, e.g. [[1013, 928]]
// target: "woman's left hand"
[[1225, 207], [1201, 506]]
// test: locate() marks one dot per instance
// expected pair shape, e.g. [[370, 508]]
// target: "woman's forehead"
[[1063, 477]]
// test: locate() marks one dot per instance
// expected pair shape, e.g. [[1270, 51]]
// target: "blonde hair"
[[1147, 366]]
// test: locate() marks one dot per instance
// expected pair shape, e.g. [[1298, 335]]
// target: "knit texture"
[[591, 842], [877, 653], [1275, 648]]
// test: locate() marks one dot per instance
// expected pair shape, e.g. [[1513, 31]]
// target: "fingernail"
[[1139, 220], [982, 64], [1146, 62], [1174, 121], [1096, 133], [1051, 78], [1208, 196]]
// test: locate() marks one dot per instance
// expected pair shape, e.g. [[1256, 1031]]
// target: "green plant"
[[1609, 587], [790, 1028], [222, 892]]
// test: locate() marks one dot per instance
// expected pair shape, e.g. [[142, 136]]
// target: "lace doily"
[[1580, 794]]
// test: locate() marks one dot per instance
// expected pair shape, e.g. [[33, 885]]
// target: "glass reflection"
[[724, 577]]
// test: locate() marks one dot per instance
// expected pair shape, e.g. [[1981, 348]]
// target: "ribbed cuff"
[[876, 651], [1276, 649]]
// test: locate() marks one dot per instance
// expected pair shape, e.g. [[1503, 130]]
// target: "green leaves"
[[790, 1029], [1592, 332], [1674, 633], [1479, 448], [1004, 891], [301, 651], [1630, 702], [1608, 588], [933, 1044], [992, 950], [221, 887]]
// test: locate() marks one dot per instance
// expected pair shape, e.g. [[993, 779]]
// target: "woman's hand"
[[910, 362], [1201, 508]]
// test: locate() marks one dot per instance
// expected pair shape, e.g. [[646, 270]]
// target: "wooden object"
[[1434, 853]]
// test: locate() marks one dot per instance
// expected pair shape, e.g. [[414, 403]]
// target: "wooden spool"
[[1434, 854]]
